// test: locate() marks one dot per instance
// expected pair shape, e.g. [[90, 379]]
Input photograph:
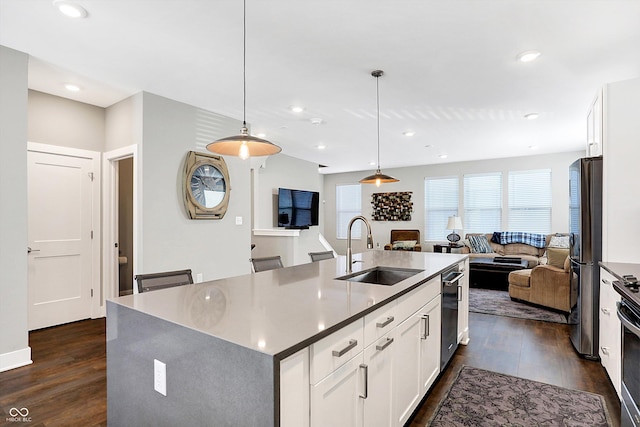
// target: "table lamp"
[[454, 223]]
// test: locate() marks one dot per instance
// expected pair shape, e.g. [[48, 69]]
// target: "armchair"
[[404, 240], [546, 285]]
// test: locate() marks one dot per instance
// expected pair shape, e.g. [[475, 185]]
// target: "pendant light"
[[378, 177], [243, 145]]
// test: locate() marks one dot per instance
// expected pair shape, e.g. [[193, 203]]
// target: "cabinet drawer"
[[411, 302], [333, 351], [380, 322]]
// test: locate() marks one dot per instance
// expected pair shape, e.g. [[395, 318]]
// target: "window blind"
[[482, 203], [440, 202], [530, 201], [348, 205]]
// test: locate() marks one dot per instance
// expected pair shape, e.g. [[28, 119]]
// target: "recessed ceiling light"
[[528, 56], [315, 120], [408, 133], [321, 146], [443, 156], [531, 116], [70, 9], [72, 87], [296, 108], [372, 163]]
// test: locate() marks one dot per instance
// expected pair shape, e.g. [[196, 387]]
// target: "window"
[[530, 201], [348, 205], [482, 203], [440, 202]]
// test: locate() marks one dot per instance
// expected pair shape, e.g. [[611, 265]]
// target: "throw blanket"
[[535, 240]]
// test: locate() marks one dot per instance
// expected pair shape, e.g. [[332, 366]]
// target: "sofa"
[[532, 254], [552, 285]]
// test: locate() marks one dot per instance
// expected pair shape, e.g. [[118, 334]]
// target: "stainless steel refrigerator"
[[585, 226]]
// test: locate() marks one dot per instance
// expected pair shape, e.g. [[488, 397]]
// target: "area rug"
[[489, 301], [484, 398]]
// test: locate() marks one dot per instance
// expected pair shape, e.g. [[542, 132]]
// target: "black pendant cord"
[[244, 63], [378, 109]]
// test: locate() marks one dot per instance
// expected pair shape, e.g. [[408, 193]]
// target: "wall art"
[[392, 206]]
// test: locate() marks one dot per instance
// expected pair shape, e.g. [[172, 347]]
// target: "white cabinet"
[[610, 330], [336, 400], [416, 361], [294, 390], [594, 125], [378, 397], [463, 304]]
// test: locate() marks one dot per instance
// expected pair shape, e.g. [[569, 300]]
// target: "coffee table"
[[493, 273]]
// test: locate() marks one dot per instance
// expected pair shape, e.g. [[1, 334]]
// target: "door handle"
[[340, 353], [425, 318], [366, 381], [29, 250]]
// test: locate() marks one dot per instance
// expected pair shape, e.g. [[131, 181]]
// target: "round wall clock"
[[206, 186]]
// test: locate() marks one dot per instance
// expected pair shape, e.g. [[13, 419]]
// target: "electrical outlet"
[[160, 377]]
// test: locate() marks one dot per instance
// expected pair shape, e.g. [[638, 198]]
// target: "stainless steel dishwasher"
[[451, 295]]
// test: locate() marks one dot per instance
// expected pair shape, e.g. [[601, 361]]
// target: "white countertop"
[[279, 311]]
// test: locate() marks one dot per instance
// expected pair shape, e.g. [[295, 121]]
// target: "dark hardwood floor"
[[66, 384]]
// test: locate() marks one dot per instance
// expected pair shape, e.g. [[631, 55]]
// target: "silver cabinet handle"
[[340, 353], [385, 323], [29, 250], [366, 381], [459, 292], [386, 344], [425, 318]]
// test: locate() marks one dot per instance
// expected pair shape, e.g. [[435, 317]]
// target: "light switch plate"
[[238, 220]]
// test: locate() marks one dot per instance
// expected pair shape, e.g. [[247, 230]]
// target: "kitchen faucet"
[[369, 239]]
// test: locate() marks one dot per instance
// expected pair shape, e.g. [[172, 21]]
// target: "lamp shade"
[[454, 223], [243, 146]]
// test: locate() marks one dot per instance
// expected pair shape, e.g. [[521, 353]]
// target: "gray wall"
[[14, 339], [412, 179], [123, 123], [286, 172], [170, 240], [58, 121]]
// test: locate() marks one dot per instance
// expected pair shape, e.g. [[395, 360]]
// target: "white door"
[[60, 201]]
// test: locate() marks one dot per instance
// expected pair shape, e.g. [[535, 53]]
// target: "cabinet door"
[[406, 368], [594, 126], [336, 400], [610, 330], [378, 397], [463, 305], [430, 343]]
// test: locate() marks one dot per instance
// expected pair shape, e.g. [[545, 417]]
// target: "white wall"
[[621, 145], [286, 172], [170, 240], [58, 121], [123, 123], [412, 179], [14, 338]]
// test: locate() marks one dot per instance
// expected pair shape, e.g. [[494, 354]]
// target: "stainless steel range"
[[629, 315]]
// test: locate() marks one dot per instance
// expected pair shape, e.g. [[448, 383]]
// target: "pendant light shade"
[[378, 177], [243, 145]]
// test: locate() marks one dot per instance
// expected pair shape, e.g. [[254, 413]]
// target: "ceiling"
[[451, 74]]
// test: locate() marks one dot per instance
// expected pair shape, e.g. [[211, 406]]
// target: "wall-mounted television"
[[297, 208]]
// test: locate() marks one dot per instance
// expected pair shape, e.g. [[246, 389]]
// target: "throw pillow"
[[404, 244], [495, 237], [479, 244], [557, 256], [559, 242]]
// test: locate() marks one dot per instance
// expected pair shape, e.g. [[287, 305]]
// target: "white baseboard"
[[15, 359]]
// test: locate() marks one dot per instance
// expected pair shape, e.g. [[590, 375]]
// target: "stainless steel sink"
[[387, 276]]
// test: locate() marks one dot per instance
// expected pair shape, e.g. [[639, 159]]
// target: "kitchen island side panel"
[[209, 381]]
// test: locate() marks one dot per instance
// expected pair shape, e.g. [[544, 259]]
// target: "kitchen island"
[[250, 350]]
